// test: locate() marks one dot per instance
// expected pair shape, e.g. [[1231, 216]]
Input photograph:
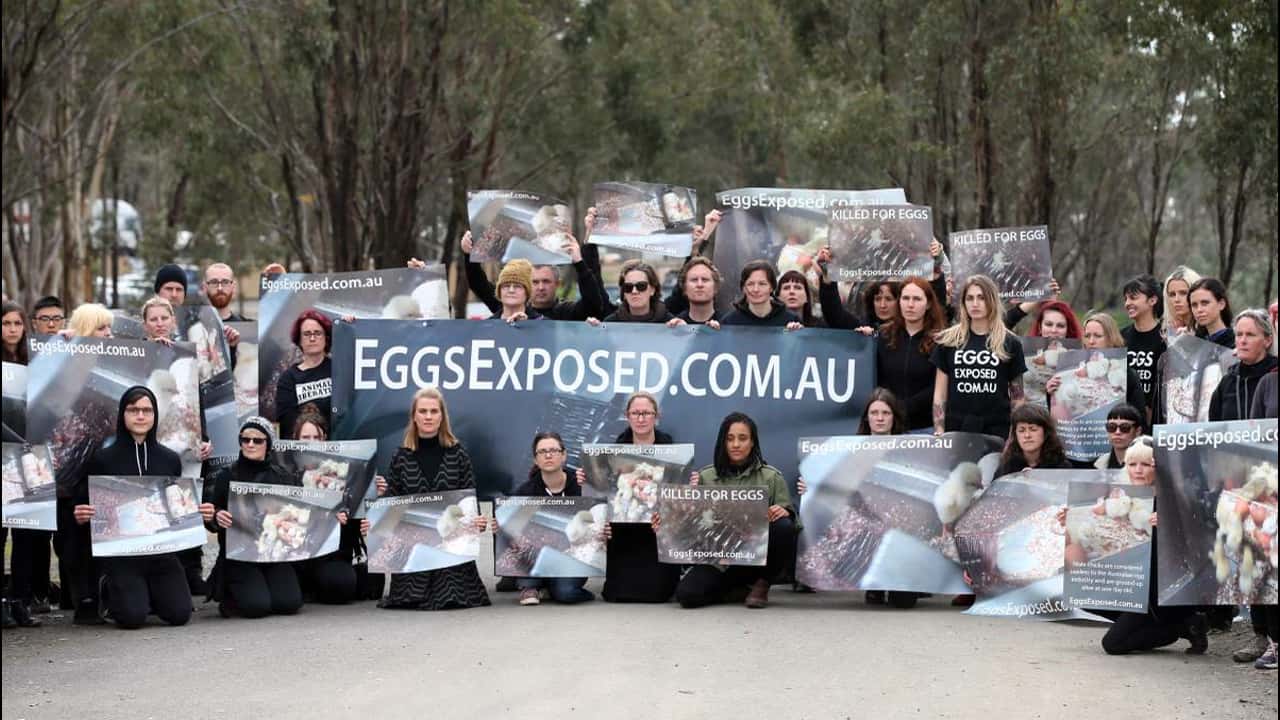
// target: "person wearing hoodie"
[[738, 461], [134, 587], [757, 306], [545, 285], [632, 570], [547, 478], [1233, 398], [638, 282], [249, 589]]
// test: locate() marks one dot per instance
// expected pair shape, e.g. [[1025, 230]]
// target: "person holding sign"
[[158, 321], [430, 460], [544, 285], [248, 589], [547, 478], [632, 570], [757, 305], [89, 320], [134, 587], [1160, 625], [699, 280], [1100, 333], [1233, 397], [311, 380], [980, 366], [794, 292], [738, 461], [1055, 319]]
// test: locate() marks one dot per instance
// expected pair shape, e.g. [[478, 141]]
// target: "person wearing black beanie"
[[248, 589], [134, 587], [171, 284]]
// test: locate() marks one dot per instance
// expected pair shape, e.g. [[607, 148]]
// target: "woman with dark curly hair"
[[311, 380], [1033, 442]]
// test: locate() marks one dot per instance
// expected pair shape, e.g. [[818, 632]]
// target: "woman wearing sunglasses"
[[134, 587], [250, 590], [638, 282], [1124, 425]]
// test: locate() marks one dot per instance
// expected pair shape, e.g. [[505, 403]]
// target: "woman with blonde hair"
[[980, 366], [432, 460], [1177, 302], [90, 320], [158, 320]]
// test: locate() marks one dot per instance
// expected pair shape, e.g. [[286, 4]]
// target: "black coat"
[[1234, 397], [778, 315], [908, 373]]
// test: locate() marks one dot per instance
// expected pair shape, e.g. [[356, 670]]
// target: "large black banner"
[[505, 382], [1217, 487]]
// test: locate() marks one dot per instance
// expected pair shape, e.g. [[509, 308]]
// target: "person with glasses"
[[220, 287], [310, 382], [1124, 424], [132, 587], [547, 478], [757, 306], [249, 589], [638, 282], [632, 570], [48, 316], [430, 459]]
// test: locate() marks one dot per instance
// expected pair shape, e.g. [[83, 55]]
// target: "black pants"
[[192, 561], [259, 589], [30, 564], [138, 587], [329, 579], [1131, 632], [707, 584]]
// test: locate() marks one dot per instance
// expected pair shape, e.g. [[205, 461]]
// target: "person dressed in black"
[[430, 460], [796, 296], [757, 306], [544, 286], [1161, 625], [903, 349], [699, 280], [249, 589], [132, 587], [1211, 310], [1144, 337], [739, 462], [310, 382], [331, 579], [1033, 443], [980, 366], [547, 478], [1124, 425], [638, 282], [632, 570], [28, 591]]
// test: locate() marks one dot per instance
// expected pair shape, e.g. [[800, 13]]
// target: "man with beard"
[[220, 288]]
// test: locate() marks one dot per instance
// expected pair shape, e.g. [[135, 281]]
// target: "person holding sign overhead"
[[757, 305], [980, 366], [430, 460], [248, 589], [738, 461], [133, 587]]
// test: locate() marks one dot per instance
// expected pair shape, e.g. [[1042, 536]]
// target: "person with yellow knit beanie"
[[515, 287]]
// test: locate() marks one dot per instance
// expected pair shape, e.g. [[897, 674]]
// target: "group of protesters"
[[927, 346]]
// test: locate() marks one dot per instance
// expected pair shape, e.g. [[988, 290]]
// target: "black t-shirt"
[[978, 384], [299, 387], [1145, 349]]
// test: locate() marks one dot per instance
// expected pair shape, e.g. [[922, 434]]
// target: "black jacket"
[[589, 304], [778, 315], [529, 311], [534, 487], [659, 438], [658, 314], [1234, 397], [909, 374]]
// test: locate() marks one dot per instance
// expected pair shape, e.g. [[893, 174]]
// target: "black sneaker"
[[875, 597], [1197, 633], [506, 584], [22, 614], [903, 600], [87, 613]]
